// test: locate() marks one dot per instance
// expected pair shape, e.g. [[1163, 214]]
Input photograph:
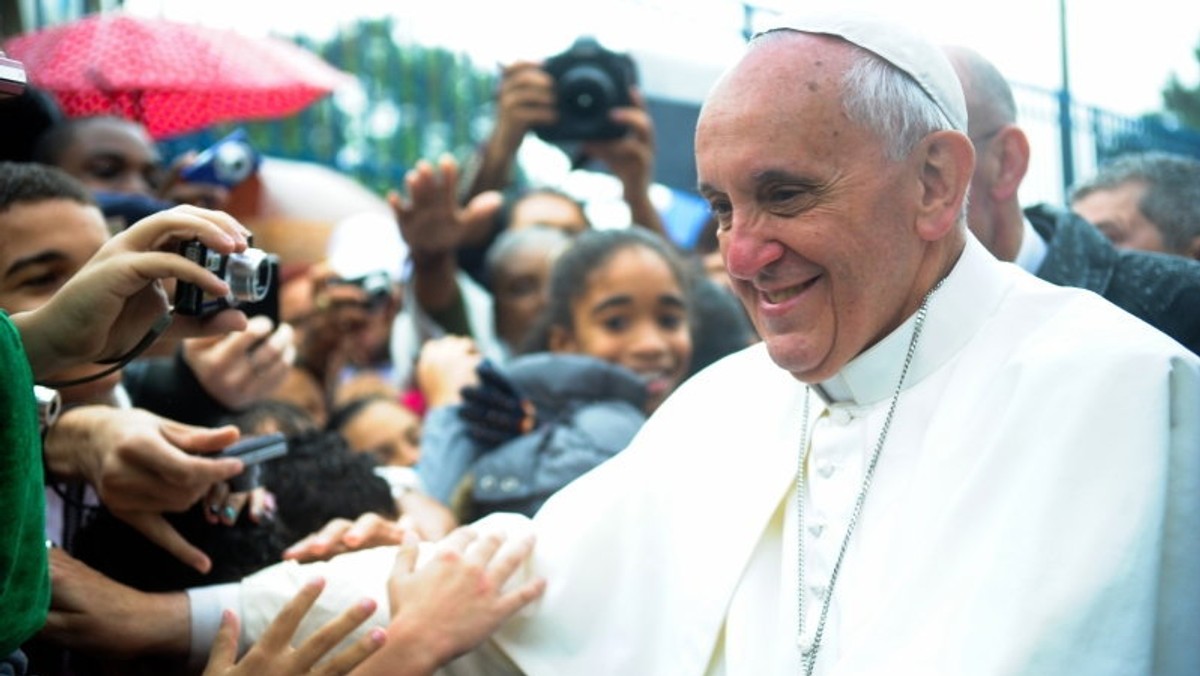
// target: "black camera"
[[251, 275], [590, 81]]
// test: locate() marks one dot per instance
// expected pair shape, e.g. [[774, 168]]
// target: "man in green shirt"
[[98, 316]]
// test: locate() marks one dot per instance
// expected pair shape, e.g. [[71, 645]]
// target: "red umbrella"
[[173, 77]]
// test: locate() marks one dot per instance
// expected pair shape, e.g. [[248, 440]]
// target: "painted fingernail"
[[229, 513], [214, 508]]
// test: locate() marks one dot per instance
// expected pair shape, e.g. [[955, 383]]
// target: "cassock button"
[[509, 484], [841, 416], [818, 590], [816, 529], [487, 482], [826, 469]]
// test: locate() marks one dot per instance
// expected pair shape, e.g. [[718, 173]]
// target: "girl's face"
[[633, 314], [387, 429]]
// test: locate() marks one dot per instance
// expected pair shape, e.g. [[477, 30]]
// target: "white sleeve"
[[205, 604]]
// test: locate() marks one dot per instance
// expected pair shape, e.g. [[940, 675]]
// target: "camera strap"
[[152, 334]]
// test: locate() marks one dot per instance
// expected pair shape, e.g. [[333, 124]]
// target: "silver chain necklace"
[[810, 655]]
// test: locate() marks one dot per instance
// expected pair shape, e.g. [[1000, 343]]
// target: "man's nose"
[[748, 250]]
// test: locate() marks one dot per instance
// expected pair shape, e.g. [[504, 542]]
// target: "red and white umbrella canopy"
[[173, 77]]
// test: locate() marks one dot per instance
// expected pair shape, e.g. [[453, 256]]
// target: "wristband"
[[49, 406]]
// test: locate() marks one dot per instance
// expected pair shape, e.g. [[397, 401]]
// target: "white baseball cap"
[[366, 243]]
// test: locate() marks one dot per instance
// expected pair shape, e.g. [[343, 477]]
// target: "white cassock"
[[1035, 509]]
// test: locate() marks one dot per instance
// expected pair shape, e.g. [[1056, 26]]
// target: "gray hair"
[[887, 101], [1172, 199]]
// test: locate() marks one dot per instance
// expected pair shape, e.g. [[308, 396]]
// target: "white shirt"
[[1034, 509]]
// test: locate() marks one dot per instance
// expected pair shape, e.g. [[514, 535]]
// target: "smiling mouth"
[[783, 295], [656, 381]]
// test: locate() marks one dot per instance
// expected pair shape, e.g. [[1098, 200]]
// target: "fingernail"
[[367, 605], [378, 636], [215, 509], [230, 514]]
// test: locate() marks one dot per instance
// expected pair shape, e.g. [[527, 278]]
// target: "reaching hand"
[[142, 465], [342, 535], [444, 367], [430, 219], [106, 308], [273, 654], [242, 367], [495, 410], [453, 602]]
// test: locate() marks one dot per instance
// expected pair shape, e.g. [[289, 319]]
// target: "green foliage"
[[414, 102], [1183, 101]]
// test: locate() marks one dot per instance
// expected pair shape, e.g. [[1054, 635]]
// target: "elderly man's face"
[[816, 225]]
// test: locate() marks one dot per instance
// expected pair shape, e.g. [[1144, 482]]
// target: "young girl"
[[609, 347]]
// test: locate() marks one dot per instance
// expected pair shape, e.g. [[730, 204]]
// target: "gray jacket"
[[588, 410], [1160, 289]]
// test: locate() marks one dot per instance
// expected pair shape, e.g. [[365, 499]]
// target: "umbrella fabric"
[[173, 77]]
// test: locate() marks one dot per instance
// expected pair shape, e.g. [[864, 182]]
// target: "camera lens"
[[248, 275], [586, 91]]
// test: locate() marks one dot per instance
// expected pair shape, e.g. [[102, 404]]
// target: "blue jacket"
[[588, 410]]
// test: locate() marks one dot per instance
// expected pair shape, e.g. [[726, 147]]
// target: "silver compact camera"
[[249, 274], [13, 79]]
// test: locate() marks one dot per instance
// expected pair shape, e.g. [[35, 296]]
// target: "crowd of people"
[[882, 417]]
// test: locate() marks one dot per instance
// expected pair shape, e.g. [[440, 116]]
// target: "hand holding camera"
[[116, 301], [589, 82], [250, 276]]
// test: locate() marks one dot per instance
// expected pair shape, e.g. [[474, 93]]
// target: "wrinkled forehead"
[[901, 46]]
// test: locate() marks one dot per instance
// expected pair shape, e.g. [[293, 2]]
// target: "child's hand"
[[496, 410]]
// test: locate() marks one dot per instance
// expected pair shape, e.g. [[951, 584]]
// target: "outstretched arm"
[[434, 227], [631, 159], [452, 603], [524, 99]]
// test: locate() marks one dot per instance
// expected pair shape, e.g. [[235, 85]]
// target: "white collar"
[[956, 312]]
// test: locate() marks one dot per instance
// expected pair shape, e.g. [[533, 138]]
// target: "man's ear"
[[947, 162], [561, 340], [1013, 147]]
